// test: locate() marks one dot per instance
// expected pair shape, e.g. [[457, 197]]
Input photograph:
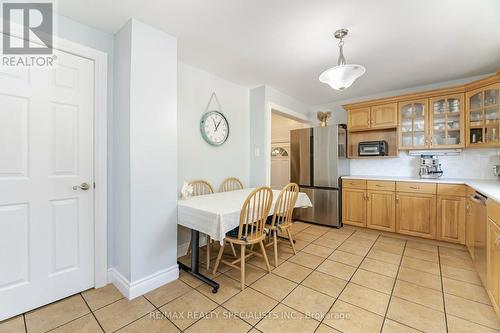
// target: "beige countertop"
[[488, 187]]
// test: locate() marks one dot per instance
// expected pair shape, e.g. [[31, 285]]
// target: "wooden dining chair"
[[202, 187], [231, 184], [254, 213], [281, 220]]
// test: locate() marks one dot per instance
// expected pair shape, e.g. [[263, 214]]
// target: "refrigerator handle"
[[311, 159]]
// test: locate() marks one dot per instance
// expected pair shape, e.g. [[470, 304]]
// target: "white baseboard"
[[140, 287]]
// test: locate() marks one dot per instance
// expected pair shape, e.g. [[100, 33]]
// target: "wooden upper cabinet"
[[447, 121], [493, 264], [381, 210], [354, 207], [413, 122], [482, 117], [384, 116], [451, 218], [373, 117], [416, 214], [358, 119]]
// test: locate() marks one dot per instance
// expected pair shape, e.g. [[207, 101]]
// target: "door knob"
[[82, 186]]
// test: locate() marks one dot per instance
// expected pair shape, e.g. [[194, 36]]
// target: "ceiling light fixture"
[[343, 75]]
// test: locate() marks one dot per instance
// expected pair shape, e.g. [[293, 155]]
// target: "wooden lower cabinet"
[[416, 214], [381, 210], [451, 219], [493, 264], [469, 228], [354, 207]]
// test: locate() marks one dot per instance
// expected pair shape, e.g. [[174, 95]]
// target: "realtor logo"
[[36, 22]]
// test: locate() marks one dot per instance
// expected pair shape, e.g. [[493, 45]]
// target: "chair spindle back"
[[254, 213], [283, 208], [231, 184], [201, 187]]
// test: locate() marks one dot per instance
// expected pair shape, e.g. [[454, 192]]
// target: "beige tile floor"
[[346, 280]]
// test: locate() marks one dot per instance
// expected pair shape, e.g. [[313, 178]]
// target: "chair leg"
[[275, 241], [264, 254], [242, 250], [209, 245], [291, 240], [234, 251], [219, 257]]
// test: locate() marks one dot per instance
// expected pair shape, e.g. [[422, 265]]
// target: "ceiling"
[[288, 43]]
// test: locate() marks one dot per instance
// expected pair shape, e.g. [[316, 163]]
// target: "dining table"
[[215, 215]]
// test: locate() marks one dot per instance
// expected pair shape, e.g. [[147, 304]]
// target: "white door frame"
[[286, 112], [100, 192]]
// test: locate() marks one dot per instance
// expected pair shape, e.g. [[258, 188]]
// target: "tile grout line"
[[74, 319], [92, 312], [25, 326], [353, 231], [442, 289], [349, 281], [227, 300], [298, 284], [158, 309], [393, 286], [279, 302]]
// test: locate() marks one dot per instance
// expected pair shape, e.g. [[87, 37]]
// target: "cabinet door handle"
[[497, 242], [397, 198]]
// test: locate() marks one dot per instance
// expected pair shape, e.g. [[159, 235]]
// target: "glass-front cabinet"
[[413, 124], [483, 111], [446, 118]]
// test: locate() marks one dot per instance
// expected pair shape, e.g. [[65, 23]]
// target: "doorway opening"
[[281, 125]]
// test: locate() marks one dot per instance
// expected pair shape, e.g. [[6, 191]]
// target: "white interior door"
[[46, 147]]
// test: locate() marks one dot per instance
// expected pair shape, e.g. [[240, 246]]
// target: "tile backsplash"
[[471, 163]]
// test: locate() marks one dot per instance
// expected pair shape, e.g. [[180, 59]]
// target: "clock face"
[[214, 128]]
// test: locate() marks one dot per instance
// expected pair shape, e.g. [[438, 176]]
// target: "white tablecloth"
[[216, 214]]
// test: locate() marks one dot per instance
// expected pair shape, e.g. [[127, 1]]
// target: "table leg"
[[194, 270]]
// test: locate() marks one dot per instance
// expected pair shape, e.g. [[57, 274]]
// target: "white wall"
[[146, 143], [258, 130], [120, 242], [196, 158]]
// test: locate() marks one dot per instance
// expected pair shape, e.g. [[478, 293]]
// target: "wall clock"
[[214, 128]]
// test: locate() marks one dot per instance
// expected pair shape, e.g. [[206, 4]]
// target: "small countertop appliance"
[[430, 167]]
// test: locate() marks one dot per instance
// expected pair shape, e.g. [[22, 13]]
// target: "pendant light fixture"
[[343, 75]]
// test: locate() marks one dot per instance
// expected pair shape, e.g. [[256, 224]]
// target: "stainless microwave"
[[372, 148]]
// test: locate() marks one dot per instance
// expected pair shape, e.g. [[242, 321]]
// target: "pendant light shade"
[[343, 75]]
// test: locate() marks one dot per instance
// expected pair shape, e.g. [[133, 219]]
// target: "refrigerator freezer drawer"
[[325, 207]]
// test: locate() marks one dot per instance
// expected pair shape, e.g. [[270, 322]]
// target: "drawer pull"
[[415, 187], [377, 185]]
